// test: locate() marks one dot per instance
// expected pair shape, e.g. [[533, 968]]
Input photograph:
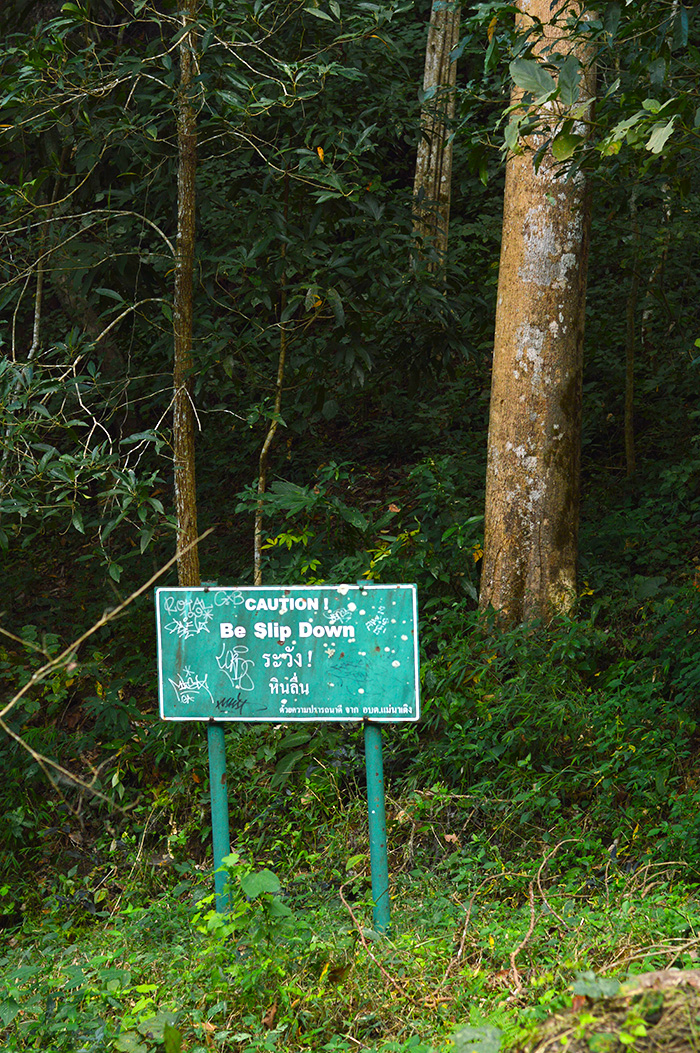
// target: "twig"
[[363, 940], [460, 950], [45, 763], [539, 881], [139, 850], [514, 954]]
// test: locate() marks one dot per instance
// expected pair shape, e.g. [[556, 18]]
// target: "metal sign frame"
[[315, 653], [291, 653]]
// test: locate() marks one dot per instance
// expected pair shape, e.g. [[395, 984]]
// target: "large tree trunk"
[[183, 415], [433, 180], [532, 482]]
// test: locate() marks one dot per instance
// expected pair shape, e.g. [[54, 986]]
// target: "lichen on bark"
[[532, 491]]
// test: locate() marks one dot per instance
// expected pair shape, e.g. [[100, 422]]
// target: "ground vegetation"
[[543, 815]]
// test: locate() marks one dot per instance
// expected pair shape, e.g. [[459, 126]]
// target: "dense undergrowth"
[[543, 824], [296, 965], [543, 816]]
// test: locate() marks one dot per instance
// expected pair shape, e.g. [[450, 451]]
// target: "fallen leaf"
[[269, 1018]]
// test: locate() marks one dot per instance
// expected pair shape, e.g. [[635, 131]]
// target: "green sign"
[[307, 653]]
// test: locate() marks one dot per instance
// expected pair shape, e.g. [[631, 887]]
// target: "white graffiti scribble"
[[190, 687], [223, 599], [379, 623], [231, 662], [190, 617], [343, 614]]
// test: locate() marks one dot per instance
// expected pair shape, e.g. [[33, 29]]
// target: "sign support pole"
[[378, 856], [296, 653], [219, 809]]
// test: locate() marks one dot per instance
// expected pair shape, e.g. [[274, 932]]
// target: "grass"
[[296, 965], [533, 820]]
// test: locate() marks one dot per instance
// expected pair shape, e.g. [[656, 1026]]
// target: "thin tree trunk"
[[279, 388], [38, 307], [264, 453], [433, 179], [630, 341], [654, 289], [532, 485], [183, 414]]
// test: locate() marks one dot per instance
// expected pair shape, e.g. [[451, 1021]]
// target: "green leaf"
[[595, 987], [284, 767], [660, 133], [296, 738], [611, 21], [279, 909], [512, 133], [145, 539], [680, 28], [355, 518], [9, 1009], [354, 860], [569, 80], [318, 13], [530, 76], [657, 71], [644, 588], [484, 1039], [172, 1039], [154, 1026], [130, 1042], [254, 885], [564, 145], [337, 305], [603, 1042]]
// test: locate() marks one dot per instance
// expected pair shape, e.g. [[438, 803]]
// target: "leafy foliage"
[[555, 761]]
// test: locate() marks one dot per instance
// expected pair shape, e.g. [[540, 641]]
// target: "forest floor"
[[130, 955]]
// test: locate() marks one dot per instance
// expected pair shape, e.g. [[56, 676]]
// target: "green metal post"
[[219, 809], [378, 857]]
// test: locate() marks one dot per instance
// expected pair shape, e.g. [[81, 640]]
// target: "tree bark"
[[183, 414], [532, 482], [432, 186]]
